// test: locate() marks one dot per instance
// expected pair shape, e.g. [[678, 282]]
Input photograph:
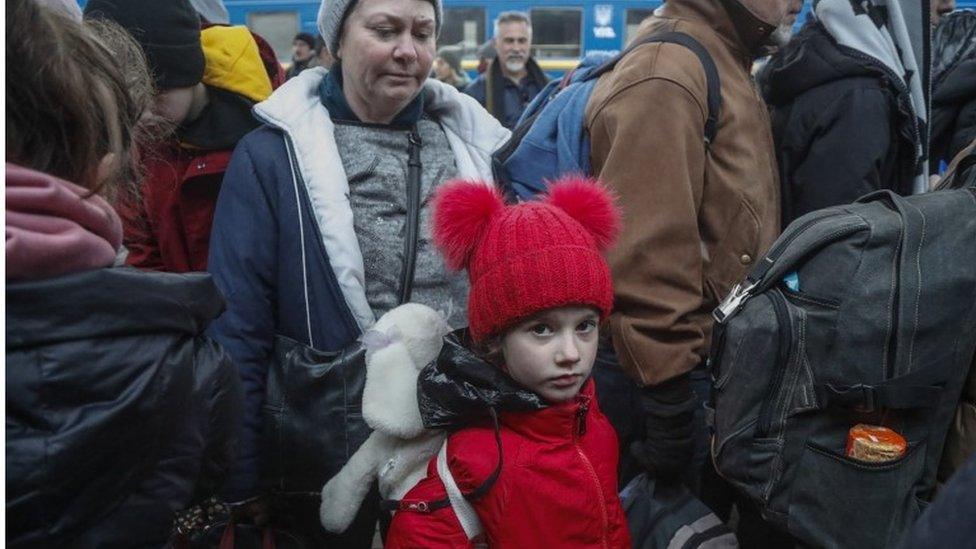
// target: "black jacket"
[[953, 87], [119, 412], [948, 522], [840, 124]]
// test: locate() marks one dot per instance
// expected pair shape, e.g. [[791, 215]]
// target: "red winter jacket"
[[557, 487], [169, 228]]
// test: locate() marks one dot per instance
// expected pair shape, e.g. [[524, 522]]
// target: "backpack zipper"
[[742, 291], [783, 354]]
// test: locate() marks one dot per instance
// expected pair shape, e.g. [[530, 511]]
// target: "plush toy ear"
[[590, 203], [462, 210]]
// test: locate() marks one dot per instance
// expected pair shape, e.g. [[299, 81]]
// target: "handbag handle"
[[413, 216]]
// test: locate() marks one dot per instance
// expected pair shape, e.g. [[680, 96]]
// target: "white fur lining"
[[296, 109]]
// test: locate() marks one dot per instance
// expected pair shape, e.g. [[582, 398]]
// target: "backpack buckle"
[[733, 302]]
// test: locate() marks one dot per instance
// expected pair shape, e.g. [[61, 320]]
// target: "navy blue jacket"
[[513, 97], [283, 248], [256, 252]]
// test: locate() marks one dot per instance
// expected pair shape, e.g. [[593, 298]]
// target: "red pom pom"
[[591, 204], [462, 211]]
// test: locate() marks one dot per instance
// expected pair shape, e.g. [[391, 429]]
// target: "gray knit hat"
[[332, 13]]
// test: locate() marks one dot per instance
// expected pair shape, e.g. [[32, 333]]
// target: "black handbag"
[[312, 414]]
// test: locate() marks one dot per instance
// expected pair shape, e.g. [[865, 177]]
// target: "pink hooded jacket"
[[54, 228]]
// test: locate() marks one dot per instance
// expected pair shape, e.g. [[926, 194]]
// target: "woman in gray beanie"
[[321, 221]]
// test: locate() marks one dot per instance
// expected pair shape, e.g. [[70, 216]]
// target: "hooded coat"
[[845, 119], [954, 87], [169, 229], [557, 484], [119, 412], [285, 251]]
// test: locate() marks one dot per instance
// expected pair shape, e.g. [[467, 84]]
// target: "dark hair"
[[68, 104], [307, 38]]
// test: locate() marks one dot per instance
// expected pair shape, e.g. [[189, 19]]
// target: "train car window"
[[556, 32], [278, 28], [634, 19], [463, 27]]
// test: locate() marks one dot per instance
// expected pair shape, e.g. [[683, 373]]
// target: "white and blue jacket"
[[283, 249]]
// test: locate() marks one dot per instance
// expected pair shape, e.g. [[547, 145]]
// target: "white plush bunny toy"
[[398, 346]]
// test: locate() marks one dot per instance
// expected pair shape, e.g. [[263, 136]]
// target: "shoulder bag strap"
[[712, 78], [413, 216]]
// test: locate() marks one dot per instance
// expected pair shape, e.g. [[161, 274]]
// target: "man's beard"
[[776, 40], [780, 37], [515, 65]]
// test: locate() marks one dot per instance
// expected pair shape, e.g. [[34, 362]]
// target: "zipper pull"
[[581, 417], [414, 150]]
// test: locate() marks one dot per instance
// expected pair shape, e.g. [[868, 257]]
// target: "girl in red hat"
[[530, 460]]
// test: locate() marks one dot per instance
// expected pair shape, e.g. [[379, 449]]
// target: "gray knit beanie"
[[332, 13]]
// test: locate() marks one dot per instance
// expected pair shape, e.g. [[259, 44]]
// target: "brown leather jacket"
[[694, 220]]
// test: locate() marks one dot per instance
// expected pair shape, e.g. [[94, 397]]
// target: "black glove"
[[667, 446]]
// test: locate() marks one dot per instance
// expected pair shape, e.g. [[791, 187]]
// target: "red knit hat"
[[531, 256]]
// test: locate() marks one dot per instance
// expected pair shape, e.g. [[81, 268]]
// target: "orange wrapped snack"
[[875, 444]]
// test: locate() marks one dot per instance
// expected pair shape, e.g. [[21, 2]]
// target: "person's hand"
[[667, 445], [254, 511]]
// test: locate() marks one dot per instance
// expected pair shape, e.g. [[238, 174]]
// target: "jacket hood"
[[55, 227], [896, 34], [459, 388], [233, 62], [811, 59], [100, 304], [958, 84], [954, 42]]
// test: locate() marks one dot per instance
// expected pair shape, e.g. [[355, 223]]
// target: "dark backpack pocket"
[[843, 502]]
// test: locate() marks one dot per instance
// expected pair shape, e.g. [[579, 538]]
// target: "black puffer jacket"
[[460, 387], [954, 87], [841, 127], [119, 411]]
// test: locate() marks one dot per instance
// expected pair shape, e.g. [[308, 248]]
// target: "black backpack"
[[864, 313]]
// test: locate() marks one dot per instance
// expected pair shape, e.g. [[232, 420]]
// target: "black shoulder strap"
[[711, 73]]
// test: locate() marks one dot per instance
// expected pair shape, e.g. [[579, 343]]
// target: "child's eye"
[[541, 329], [586, 326]]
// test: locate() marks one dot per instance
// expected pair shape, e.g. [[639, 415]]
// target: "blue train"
[[563, 30]]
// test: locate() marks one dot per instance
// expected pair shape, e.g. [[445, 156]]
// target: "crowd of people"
[[201, 245]]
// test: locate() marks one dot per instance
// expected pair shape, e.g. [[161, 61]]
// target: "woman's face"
[[387, 49], [442, 70]]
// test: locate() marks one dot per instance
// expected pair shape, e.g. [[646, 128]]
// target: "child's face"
[[552, 353]]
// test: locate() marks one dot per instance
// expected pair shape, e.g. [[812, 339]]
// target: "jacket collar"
[[558, 422], [739, 29], [335, 101]]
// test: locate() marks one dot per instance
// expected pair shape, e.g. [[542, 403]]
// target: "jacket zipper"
[[578, 432], [905, 96]]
